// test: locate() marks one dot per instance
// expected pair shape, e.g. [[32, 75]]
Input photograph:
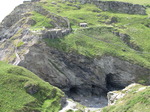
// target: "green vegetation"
[[20, 44], [41, 21], [23, 91], [98, 39], [134, 101], [74, 111], [76, 12], [96, 42]]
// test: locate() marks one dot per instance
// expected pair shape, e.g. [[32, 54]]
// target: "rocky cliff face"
[[71, 72], [17, 37], [114, 6], [21, 18], [121, 7]]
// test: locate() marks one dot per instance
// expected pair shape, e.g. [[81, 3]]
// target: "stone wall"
[[55, 33]]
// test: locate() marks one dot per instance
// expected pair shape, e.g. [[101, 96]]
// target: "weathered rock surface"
[[115, 6], [120, 73], [77, 73], [71, 72], [127, 40], [114, 96], [15, 20], [31, 89], [55, 33], [16, 36], [121, 7]]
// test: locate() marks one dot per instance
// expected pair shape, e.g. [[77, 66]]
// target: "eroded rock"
[[31, 88], [115, 6], [114, 96], [78, 74]]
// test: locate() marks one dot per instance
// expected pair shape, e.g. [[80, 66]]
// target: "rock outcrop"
[[76, 73], [16, 36], [22, 15], [134, 97], [115, 6], [71, 72], [127, 40], [114, 96], [121, 7], [121, 73]]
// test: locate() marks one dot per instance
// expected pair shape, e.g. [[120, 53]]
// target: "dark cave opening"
[[111, 83], [73, 90], [89, 96], [94, 96]]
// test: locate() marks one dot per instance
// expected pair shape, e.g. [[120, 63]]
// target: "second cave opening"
[[111, 82]]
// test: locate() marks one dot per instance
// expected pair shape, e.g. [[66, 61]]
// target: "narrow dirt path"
[[18, 59]]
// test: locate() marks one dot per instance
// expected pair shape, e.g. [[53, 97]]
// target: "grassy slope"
[[109, 44], [41, 21], [133, 101], [14, 81]]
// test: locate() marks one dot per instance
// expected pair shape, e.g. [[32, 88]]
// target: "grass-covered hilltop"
[[53, 50], [108, 33]]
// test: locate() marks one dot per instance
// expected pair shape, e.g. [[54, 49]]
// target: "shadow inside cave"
[[87, 99], [90, 97]]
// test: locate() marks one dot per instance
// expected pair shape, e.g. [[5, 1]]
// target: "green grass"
[[84, 13], [14, 97], [133, 25], [41, 21], [96, 42], [20, 44], [132, 102]]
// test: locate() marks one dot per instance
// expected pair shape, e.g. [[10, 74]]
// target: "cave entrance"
[[111, 82], [87, 96], [73, 90]]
